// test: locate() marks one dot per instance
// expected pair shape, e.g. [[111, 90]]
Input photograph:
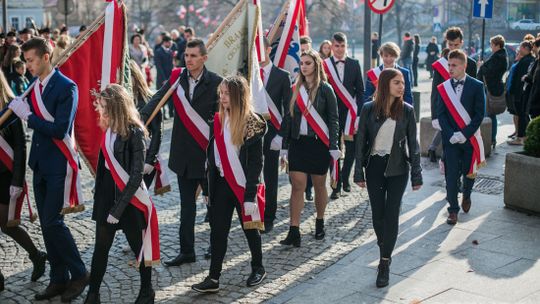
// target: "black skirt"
[[309, 155], [5, 183]]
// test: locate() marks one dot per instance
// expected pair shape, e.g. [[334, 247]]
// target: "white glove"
[[459, 137], [20, 108], [453, 140], [250, 208], [283, 154], [436, 125], [335, 154], [148, 169], [276, 143], [15, 192], [112, 220]]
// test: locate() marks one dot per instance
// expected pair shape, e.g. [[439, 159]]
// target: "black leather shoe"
[[293, 237], [92, 298], [146, 296], [309, 196], [335, 194], [432, 156], [383, 275], [181, 259], [209, 285], [50, 292], [75, 288], [2, 282], [39, 265], [208, 253], [346, 187], [256, 277], [319, 229], [268, 226]]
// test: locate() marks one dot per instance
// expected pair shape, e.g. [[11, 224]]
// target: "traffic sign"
[[437, 28], [380, 6], [483, 8]]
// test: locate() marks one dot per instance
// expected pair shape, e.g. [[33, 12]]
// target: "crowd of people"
[[334, 123]]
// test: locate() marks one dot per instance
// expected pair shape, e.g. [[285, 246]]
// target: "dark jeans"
[[523, 117], [104, 238], [457, 161], [385, 194], [188, 211], [493, 128], [415, 72], [221, 211]]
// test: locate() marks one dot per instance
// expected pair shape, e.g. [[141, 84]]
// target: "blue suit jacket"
[[407, 97], [60, 97], [473, 100]]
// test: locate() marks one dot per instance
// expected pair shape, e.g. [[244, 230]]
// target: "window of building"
[[15, 23]]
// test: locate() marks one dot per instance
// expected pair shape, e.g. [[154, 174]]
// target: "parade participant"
[[311, 136], [54, 160], [345, 76], [454, 41], [120, 200], [195, 100], [141, 94], [13, 186], [387, 132], [163, 61], [325, 49], [235, 160], [389, 53], [305, 43], [461, 109], [278, 86]]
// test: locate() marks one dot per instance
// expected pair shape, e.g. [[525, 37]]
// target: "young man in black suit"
[[188, 155], [278, 86], [163, 59], [349, 73]]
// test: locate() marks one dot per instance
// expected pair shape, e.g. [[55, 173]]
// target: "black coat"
[[407, 50], [516, 86], [431, 48], [404, 142], [326, 105], [279, 89], [251, 158], [163, 61], [155, 132], [354, 84], [534, 95], [186, 158], [108, 199], [492, 72], [438, 79], [14, 136]]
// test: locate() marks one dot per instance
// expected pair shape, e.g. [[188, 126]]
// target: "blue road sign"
[[483, 8]]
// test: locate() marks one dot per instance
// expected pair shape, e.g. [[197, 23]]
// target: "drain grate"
[[485, 184]]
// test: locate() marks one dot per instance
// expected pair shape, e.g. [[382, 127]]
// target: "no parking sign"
[[380, 6]]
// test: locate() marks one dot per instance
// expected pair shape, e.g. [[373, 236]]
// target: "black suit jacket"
[[14, 136], [279, 89], [438, 79], [164, 64], [186, 157], [354, 84]]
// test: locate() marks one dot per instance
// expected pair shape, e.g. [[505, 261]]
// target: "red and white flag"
[[373, 75], [462, 119]]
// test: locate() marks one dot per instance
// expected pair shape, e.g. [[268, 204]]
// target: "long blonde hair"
[[239, 107], [140, 87], [120, 109], [6, 94], [320, 76]]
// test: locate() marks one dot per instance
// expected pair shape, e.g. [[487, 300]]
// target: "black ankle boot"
[[319, 229], [146, 296], [293, 237], [92, 298], [38, 260], [383, 275], [1, 282]]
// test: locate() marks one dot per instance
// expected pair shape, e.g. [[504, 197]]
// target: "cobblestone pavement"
[[348, 222]]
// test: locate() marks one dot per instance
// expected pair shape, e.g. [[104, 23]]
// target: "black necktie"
[[340, 61]]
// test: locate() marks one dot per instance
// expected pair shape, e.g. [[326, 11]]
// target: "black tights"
[[18, 234], [104, 239]]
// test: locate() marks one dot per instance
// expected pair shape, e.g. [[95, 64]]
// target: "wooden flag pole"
[[277, 23]]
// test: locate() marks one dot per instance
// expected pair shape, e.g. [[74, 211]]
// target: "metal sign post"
[[483, 9], [380, 7]]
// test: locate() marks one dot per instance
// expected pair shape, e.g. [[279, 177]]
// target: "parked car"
[[525, 24], [511, 50]]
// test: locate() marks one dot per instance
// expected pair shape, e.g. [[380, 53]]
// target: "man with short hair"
[[305, 43], [461, 109], [407, 51], [163, 60], [196, 94], [56, 94]]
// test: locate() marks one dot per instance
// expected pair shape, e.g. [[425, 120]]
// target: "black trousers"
[[221, 211], [104, 238], [188, 211], [523, 116], [346, 165], [457, 161], [270, 172], [385, 194]]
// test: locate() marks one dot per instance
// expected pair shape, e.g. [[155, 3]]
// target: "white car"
[[526, 24]]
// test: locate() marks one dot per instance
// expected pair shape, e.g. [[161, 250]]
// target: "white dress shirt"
[[340, 67], [45, 80], [459, 88]]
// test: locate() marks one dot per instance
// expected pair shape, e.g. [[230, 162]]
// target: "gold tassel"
[[13, 223], [162, 190], [74, 209]]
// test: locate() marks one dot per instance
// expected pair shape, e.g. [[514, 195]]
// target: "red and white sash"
[[162, 183], [344, 96], [441, 66], [227, 159], [194, 123], [318, 125], [462, 118], [15, 205], [275, 116], [141, 200], [72, 185], [373, 75]]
